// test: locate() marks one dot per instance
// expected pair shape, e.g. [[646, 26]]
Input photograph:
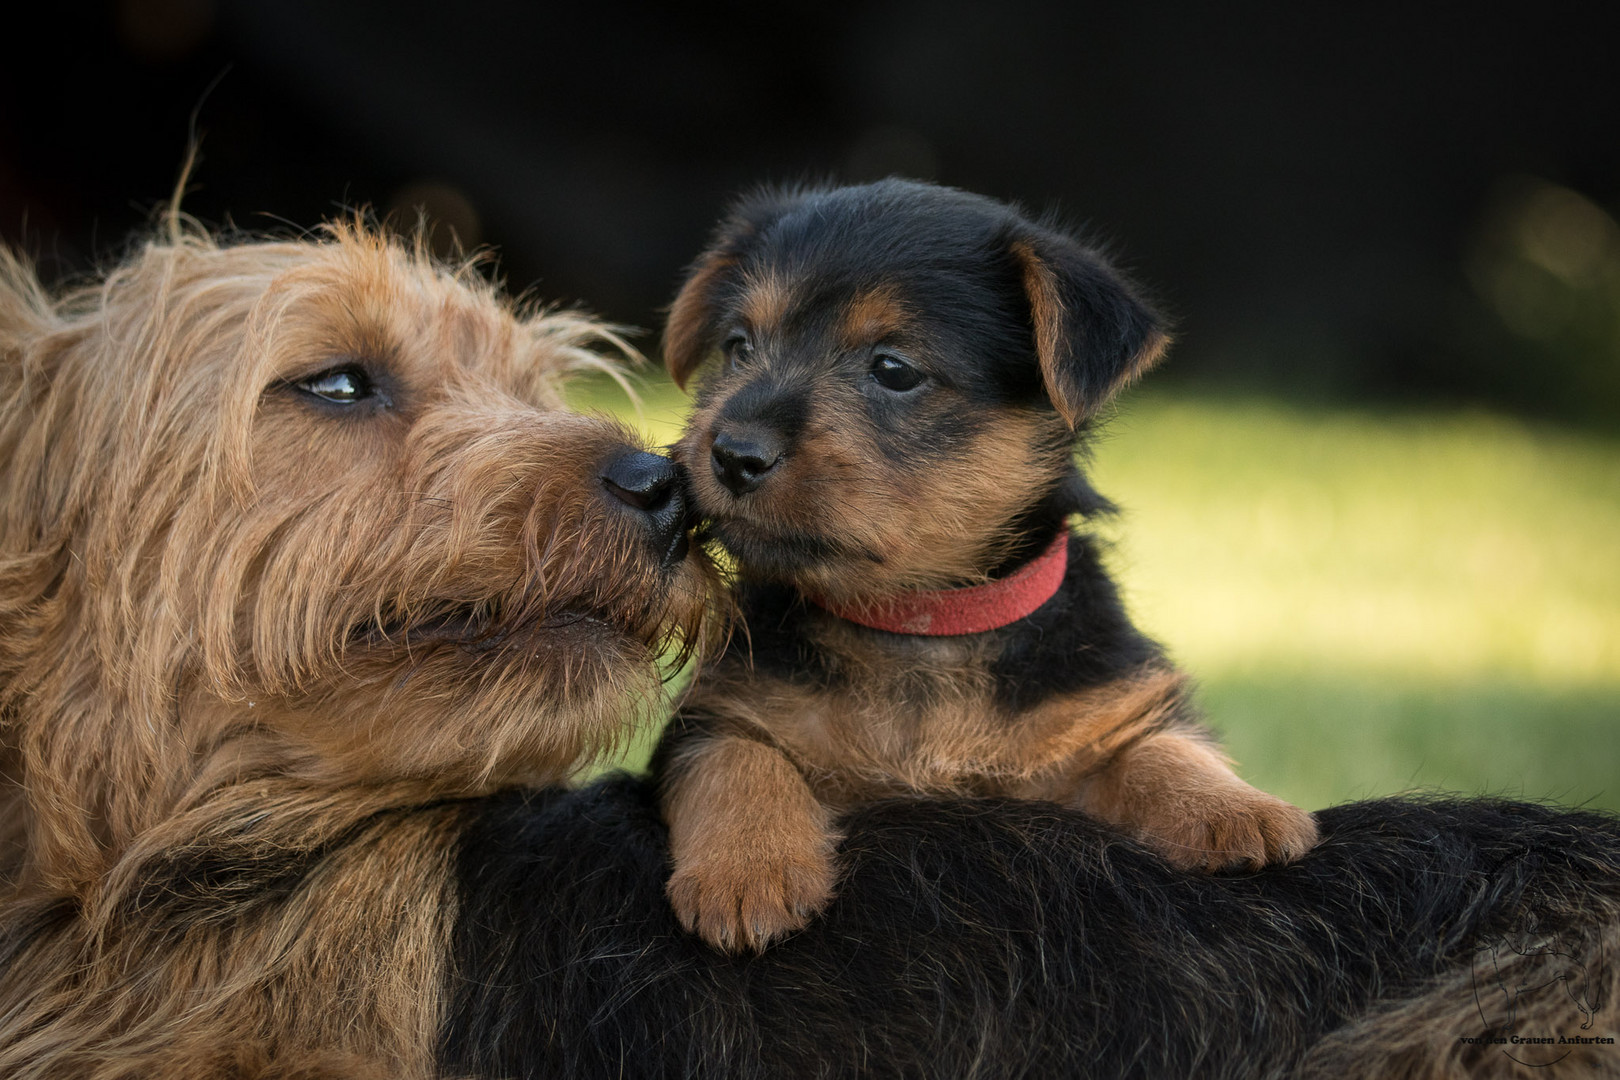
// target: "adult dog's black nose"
[[652, 485], [741, 462]]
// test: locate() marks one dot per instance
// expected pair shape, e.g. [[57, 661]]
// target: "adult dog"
[[296, 544], [308, 587]]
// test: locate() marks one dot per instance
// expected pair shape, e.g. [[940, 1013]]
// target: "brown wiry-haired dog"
[[297, 543], [888, 452]]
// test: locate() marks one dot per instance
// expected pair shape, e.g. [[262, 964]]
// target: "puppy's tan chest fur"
[[920, 717]]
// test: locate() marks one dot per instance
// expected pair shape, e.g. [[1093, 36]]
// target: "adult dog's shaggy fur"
[[293, 537], [261, 677], [887, 447], [986, 938]]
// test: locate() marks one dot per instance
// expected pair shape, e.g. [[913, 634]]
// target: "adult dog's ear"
[[691, 330], [24, 307], [1093, 333]]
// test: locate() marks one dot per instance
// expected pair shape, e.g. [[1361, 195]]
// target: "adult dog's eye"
[[893, 373], [342, 386], [738, 349]]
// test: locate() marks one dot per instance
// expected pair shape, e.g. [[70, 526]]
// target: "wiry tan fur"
[[253, 647]]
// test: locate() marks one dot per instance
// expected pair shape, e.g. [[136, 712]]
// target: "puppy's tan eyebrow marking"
[[873, 315], [767, 297]]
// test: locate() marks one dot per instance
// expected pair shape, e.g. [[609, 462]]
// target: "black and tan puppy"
[[888, 451]]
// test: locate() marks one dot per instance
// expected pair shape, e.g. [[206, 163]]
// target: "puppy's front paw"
[[1241, 826], [741, 903]]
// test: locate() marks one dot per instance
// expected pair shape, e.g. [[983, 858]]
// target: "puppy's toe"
[[745, 905], [1245, 828], [1289, 831]]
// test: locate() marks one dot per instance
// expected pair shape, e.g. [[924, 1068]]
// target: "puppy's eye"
[[893, 373], [738, 349], [342, 386]]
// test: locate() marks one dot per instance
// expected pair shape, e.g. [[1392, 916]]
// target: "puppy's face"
[[880, 414]]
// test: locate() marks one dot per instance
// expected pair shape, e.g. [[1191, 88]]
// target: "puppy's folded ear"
[[693, 325], [689, 331], [1093, 333]]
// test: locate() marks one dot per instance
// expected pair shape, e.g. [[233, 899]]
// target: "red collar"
[[972, 610]]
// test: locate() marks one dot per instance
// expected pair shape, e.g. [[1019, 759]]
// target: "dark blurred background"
[[1351, 203], [1372, 497]]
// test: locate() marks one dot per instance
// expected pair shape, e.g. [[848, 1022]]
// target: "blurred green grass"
[[1372, 602]]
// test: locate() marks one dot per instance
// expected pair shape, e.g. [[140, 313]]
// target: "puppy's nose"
[[741, 462], [651, 485]]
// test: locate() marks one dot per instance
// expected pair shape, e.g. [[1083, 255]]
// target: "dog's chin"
[[825, 568], [536, 619], [788, 557], [479, 635], [470, 708], [814, 564]]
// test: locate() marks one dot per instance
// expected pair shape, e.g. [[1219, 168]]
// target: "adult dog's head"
[[308, 511]]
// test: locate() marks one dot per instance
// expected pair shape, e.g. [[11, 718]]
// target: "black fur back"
[[988, 939]]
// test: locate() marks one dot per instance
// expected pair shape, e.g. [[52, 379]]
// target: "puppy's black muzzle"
[[651, 486]]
